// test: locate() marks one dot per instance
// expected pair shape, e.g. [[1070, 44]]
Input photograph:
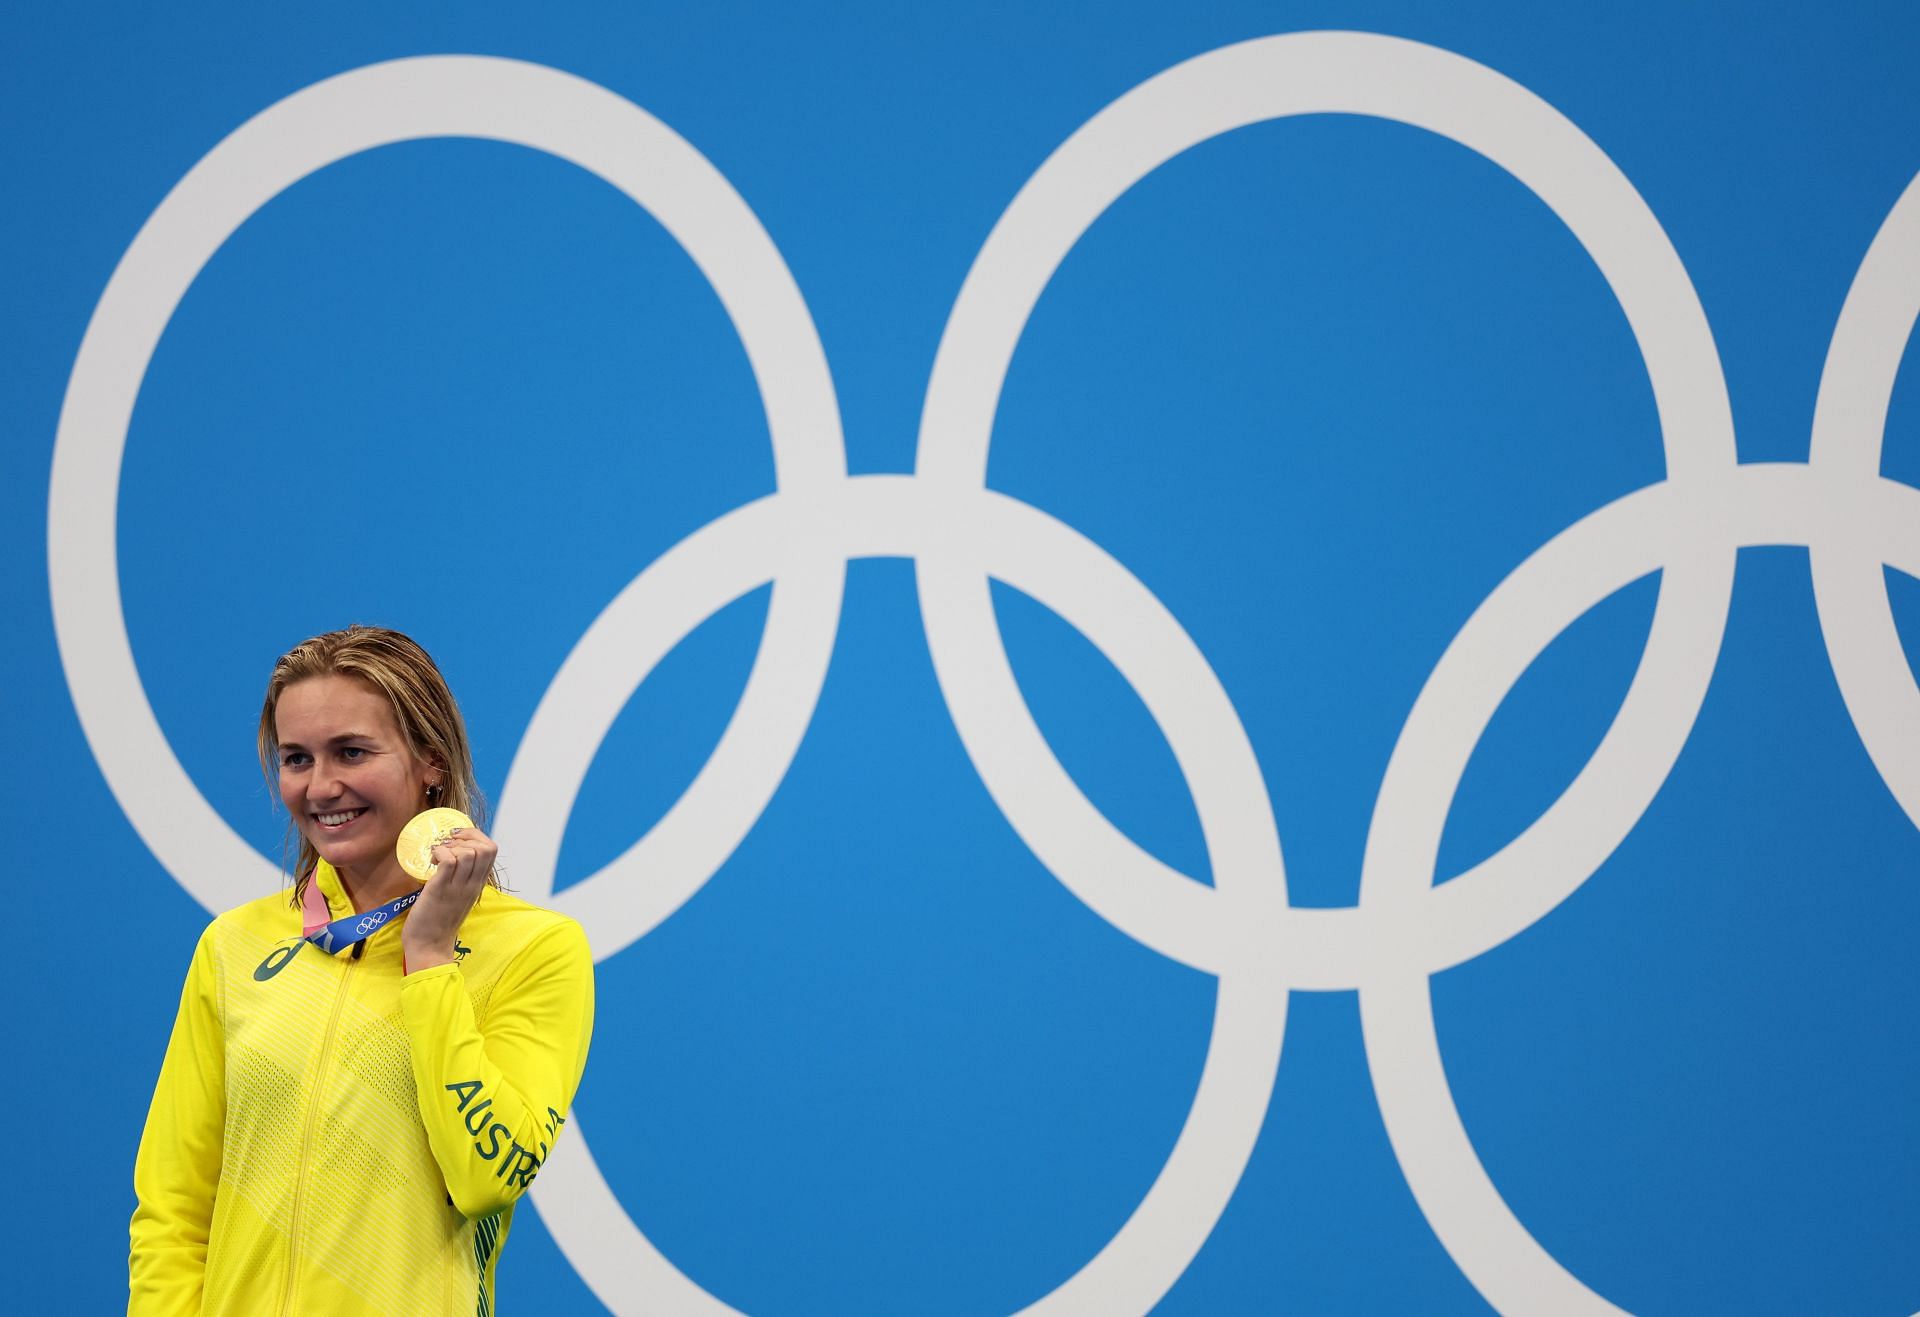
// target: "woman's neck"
[[368, 889]]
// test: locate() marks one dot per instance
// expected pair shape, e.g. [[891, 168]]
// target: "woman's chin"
[[355, 856]]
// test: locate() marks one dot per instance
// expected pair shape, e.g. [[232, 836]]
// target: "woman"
[[348, 1133]]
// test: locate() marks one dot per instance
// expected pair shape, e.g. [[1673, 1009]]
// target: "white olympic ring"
[[960, 534]]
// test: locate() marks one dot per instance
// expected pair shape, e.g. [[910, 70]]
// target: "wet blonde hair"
[[423, 707]]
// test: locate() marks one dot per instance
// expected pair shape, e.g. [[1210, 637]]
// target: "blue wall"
[[931, 1037]]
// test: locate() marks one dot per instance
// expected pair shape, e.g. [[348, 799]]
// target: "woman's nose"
[[324, 782]]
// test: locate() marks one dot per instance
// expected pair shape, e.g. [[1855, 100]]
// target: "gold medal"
[[423, 832]]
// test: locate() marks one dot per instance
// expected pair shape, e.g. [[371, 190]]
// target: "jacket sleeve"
[[494, 1099], [178, 1167]]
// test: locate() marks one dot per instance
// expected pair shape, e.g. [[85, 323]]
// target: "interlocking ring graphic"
[[961, 534]]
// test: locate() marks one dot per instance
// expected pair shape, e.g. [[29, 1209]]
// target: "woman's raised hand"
[[463, 862]]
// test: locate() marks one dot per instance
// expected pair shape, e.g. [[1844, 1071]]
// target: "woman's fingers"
[[465, 857]]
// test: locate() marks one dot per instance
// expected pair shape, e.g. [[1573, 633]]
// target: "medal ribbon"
[[335, 935]]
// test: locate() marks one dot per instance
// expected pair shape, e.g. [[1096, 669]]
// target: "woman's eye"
[[352, 753], [293, 761]]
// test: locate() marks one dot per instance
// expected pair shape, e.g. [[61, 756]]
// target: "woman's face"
[[347, 775]]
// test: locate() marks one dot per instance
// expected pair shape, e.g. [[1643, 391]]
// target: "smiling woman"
[[417, 1081], [348, 778], [353, 711]]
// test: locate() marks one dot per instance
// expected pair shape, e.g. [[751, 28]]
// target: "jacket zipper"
[[306, 1140]]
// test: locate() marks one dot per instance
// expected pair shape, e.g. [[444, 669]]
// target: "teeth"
[[335, 820]]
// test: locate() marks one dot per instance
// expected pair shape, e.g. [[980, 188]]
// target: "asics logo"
[[278, 959]]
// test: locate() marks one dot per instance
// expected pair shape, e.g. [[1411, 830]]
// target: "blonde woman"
[[362, 1080]]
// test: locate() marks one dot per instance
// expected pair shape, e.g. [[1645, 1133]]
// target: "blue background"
[[1320, 384]]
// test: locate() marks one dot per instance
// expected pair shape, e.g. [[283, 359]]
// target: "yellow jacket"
[[332, 1135]]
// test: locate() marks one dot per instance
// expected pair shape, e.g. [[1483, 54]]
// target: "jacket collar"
[[325, 900]]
